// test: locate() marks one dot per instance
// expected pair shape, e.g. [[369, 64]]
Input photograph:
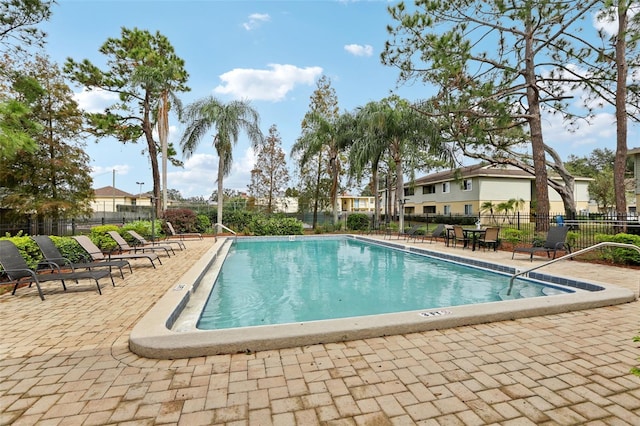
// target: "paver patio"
[[66, 361]]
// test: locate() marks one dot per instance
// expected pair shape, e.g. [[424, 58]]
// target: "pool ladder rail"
[[219, 225], [569, 256]]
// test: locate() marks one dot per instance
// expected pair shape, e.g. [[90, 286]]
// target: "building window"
[[429, 189], [408, 191], [428, 209], [409, 210], [468, 209], [446, 188], [447, 209], [466, 185]]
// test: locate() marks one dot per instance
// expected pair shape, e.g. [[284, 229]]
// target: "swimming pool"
[[168, 330], [279, 281]]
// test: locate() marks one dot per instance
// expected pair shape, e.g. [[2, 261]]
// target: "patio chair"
[[181, 235], [140, 241], [124, 246], [97, 255], [489, 238], [460, 236], [556, 240], [16, 269], [52, 256]]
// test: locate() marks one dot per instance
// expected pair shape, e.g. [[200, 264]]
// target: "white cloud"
[[121, 170], [598, 133], [268, 85], [200, 174], [95, 100], [607, 21], [359, 50], [255, 19]]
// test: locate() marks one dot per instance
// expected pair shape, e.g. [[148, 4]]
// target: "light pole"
[[140, 183]]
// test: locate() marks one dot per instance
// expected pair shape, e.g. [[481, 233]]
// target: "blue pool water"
[[277, 282]]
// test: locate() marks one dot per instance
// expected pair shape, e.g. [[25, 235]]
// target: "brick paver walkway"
[[66, 361]]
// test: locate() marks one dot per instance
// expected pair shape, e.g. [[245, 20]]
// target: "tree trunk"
[[399, 185], [220, 200], [619, 164], [333, 163], [376, 201], [317, 192], [537, 141], [153, 156]]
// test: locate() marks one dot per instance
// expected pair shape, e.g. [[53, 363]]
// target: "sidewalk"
[[66, 361]]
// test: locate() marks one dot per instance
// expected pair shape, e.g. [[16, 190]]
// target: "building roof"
[[633, 151], [480, 170], [110, 191]]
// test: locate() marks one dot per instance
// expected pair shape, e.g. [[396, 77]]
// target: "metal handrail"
[[228, 229], [570, 255]]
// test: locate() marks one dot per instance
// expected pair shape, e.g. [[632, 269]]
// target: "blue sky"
[[269, 52]]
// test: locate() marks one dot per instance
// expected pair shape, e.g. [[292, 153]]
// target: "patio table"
[[475, 233]]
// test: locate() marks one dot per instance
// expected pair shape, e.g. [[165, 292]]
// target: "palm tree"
[[228, 120], [391, 126], [368, 148], [325, 136]]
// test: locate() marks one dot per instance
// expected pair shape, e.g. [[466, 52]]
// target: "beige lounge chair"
[[124, 246], [97, 254], [181, 235], [140, 241]]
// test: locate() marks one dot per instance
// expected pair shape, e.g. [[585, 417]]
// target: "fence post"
[[518, 219], [73, 226]]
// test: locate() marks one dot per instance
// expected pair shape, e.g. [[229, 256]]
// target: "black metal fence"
[[583, 229], [31, 225]]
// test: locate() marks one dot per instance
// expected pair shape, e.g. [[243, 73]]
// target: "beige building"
[[356, 204], [279, 204], [463, 192], [108, 198]]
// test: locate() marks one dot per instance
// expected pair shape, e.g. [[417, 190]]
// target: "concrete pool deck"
[[66, 361]]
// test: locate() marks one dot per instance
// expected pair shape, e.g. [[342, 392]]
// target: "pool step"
[[523, 290]]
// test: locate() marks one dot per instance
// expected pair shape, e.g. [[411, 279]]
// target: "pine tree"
[[270, 176]]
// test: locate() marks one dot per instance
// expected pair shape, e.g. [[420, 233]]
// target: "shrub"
[[276, 225], [240, 220], [620, 255], [358, 222], [100, 237], [183, 220], [144, 228], [511, 235], [28, 249], [203, 224], [70, 249]]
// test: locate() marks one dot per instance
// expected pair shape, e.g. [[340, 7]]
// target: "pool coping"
[[152, 336]]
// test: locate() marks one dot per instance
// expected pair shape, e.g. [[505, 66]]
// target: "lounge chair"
[[556, 240], [459, 236], [489, 238], [141, 242], [181, 235], [124, 246], [52, 256], [97, 255], [408, 234], [17, 270], [438, 232]]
